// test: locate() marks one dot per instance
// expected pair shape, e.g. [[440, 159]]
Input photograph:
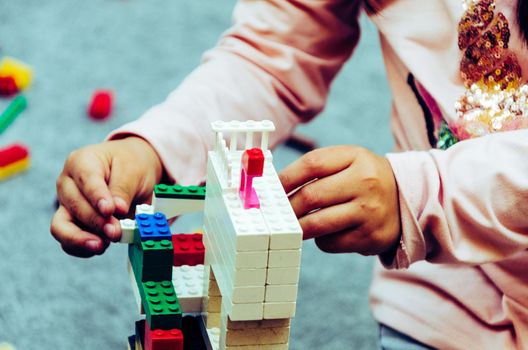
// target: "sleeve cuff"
[[410, 171]]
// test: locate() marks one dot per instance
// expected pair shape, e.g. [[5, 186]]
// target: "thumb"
[[123, 186]]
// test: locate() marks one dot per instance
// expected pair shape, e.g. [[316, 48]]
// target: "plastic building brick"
[[253, 162], [128, 227], [214, 338], [147, 272], [152, 227], [160, 339], [284, 258], [252, 166], [157, 253], [14, 168], [188, 283], [8, 86], [100, 106], [144, 209], [13, 153], [281, 293], [161, 305], [13, 160], [188, 249], [21, 72], [179, 191], [17, 105], [279, 310]]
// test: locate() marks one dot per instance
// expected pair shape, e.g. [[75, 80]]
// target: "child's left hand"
[[347, 199]]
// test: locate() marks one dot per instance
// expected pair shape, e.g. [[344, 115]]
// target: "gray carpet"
[[143, 49]]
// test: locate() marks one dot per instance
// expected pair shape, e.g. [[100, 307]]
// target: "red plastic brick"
[[253, 162], [101, 104], [188, 249], [13, 153], [160, 339], [8, 86]]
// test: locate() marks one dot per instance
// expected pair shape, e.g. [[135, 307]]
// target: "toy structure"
[[235, 288], [100, 106]]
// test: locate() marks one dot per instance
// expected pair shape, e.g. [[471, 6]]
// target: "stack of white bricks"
[[254, 253]]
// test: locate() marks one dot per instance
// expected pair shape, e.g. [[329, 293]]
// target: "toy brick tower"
[[243, 291]]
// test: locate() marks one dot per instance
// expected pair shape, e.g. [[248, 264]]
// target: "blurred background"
[[142, 50]]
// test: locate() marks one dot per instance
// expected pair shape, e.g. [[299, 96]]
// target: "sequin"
[[495, 99]]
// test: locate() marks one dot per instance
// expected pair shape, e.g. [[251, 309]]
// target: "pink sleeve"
[[468, 204], [276, 62]]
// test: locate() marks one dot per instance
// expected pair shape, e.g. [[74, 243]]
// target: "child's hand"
[[98, 183], [347, 201]]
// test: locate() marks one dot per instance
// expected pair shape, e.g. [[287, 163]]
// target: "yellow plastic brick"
[[14, 168], [21, 72]]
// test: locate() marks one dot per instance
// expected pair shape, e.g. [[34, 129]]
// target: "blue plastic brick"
[[152, 227]]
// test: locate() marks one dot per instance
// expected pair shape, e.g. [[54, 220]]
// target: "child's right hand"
[[98, 184]]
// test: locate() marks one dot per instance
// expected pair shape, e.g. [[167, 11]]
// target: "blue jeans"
[[390, 339]]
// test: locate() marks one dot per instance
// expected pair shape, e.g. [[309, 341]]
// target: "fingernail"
[[103, 205], [92, 245], [109, 230]]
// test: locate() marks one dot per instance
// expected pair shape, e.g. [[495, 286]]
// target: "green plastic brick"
[[161, 305], [179, 191], [157, 253], [144, 272], [12, 111]]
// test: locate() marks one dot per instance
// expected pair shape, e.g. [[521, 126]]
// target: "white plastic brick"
[[128, 226], [173, 207], [144, 209], [279, 310], [248, 294], [245, 312], [251, 260], [283, 275], [214, 338], [285, 231], [281, 293], [188, 283], [284, 258]]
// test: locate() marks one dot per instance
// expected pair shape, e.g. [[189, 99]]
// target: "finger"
[[76, 204], [322, 193], [73, 239], [330, 220], [122, 187], [347, 241], [318, 163], [89, 176]]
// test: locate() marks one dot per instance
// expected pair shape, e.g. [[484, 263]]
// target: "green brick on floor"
[[179, 191]]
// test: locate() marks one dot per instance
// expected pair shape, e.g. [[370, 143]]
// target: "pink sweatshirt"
[[459, 279]]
